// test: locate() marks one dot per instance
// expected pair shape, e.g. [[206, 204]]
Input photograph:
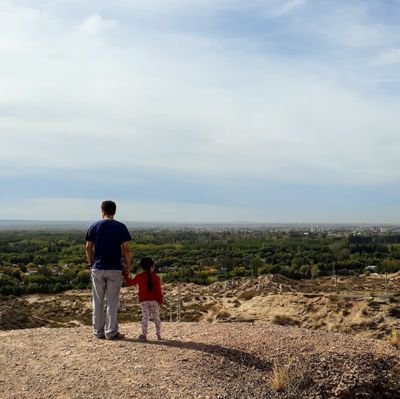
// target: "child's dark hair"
[[146, 264]]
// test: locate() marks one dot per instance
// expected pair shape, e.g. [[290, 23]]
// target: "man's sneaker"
[[116, 337], [142, 337]]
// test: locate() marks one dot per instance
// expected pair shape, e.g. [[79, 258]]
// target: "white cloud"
[[353, 26], [95, 24], [389, 56], [70, 96], [284, 7]]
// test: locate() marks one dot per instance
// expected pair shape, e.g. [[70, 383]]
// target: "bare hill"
[[197, 360], [365, 306]]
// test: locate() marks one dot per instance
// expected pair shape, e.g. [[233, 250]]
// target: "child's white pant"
[[150, 309]]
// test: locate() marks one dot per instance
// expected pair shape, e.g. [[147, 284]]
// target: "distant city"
[[305, 228]]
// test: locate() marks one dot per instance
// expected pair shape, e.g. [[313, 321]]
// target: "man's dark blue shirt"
[[107, 236]]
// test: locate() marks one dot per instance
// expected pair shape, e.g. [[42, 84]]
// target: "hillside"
[[196, 360], [356, 305]]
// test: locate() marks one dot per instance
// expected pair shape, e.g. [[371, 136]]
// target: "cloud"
[[287, 6], [348, 29], [95, 24], [165, 86], [389, 56]]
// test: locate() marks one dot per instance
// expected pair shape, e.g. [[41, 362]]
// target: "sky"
[[261, 111]]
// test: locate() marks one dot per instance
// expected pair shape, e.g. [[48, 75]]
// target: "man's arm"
[[89, 253], [126, 251]]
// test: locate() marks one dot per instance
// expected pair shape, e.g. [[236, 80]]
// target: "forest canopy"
[[51, 262]]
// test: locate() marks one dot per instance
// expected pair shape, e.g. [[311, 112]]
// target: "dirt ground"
[[268, 337], [196, 360]]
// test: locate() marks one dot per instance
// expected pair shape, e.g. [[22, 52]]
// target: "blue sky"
[[201, 111]]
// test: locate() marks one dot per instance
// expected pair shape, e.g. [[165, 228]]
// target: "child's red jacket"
[[155, 294]]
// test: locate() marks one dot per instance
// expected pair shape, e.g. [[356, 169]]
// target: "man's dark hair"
[[109, 207]]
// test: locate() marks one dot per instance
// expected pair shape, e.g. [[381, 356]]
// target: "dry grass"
[[394, 339], [280, 377], [290, 378]]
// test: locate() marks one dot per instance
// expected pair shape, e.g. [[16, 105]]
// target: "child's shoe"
[[142, 337]]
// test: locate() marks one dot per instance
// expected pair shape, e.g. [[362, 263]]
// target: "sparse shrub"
[[223, 315], [311, 295], [394, 311], [334, 298], [246, 295], [394, 339], [374, 304], [284, 320], [364, 325], [336, 327], [319, 325], [393, 382], [310, 308], [236, 303], [345, 312]]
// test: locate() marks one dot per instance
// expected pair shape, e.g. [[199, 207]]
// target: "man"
[[106, 241]]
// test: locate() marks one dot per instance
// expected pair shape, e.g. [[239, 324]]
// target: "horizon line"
[[52, 221]]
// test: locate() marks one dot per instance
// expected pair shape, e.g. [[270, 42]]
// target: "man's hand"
[[89, 253], [127, 269]]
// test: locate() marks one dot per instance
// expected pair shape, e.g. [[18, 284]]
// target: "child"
[[150, 295]]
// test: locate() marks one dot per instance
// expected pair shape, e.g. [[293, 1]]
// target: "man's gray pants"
[[106, 286]]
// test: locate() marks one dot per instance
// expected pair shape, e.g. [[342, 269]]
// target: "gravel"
[[196, 360]]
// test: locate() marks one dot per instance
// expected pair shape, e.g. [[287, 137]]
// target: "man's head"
[[108, 208]]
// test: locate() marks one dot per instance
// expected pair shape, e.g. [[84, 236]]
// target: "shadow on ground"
[[240, 357]]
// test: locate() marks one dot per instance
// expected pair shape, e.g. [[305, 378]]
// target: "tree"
[[84, 277], [391, 265], [314, 271]]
